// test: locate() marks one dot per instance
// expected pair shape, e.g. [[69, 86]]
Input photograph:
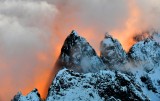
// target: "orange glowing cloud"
[[131, 26]]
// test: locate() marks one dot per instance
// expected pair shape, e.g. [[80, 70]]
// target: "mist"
[[32, 33], [122, 18], [25, 48]]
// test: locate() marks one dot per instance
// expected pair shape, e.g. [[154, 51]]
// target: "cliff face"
[[86, 77]]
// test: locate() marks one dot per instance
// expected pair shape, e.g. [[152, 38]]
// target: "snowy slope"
[[145, 56], [149, 83], [146, 53], [101, 86]]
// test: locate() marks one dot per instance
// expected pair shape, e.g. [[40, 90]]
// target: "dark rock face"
[[148, 82], [145, 53], [32, 96], [78, 55], [112, 52], [103, 86]]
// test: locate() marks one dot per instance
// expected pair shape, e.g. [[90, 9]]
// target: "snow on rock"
[[145, 53], [145, 56], [83, 77], [112, 52], [78, 55], [32, 96], [156, 37], [105, 85], [148, 81]]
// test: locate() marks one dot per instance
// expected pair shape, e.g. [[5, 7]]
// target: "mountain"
[[145, 58], [145, 53], [84, 76], [112, 53], [78, 55], [32, 96]]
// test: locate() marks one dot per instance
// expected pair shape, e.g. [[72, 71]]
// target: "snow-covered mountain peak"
[[112, 52], [74, 33], [32, 96], [145, 53], [77, 54], [107, 35]]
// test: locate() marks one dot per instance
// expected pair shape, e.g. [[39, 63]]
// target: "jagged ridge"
[[32, 96], [108, 85], [102, 86]]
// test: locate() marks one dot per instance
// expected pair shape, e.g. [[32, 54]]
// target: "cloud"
[[25, 30], [122, 18]]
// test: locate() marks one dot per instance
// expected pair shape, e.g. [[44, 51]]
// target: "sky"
[[33, 31]]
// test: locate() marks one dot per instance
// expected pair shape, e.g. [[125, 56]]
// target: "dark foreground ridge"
[[101, 86], [114, 76]]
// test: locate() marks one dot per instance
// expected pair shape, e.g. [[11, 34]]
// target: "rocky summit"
[[78, 55], [112, 53]]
